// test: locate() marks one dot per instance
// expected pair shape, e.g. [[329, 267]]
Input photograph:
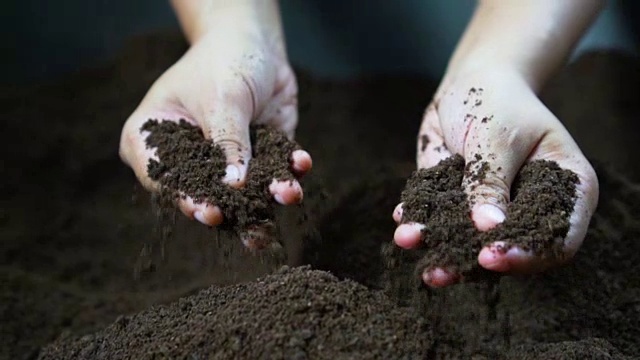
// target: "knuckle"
[[230, 145], [492, 190]]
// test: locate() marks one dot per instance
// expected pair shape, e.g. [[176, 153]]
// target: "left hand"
[[520, 129]]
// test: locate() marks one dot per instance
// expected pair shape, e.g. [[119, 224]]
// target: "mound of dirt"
[[293, 314], [542, 199]]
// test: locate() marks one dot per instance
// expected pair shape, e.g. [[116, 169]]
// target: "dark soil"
[[293, 314], [190, 165], [542, 199], [73, 235]]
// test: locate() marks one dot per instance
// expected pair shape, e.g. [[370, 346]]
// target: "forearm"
[[530, 37], [261, 17]]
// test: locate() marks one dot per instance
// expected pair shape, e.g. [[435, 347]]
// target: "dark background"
[[336, 38]]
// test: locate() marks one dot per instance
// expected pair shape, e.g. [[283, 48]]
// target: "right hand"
[[227, 80], [495, 114]]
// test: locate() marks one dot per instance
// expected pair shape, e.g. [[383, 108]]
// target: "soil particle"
[[543, 196], [424, 141], [296, 313], [190, 165]]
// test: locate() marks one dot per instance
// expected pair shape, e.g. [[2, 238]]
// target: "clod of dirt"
[[190, 165], [542, 199], [297, 313]]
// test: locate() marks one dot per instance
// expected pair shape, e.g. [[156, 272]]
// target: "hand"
[[227, 80], [498, 113]]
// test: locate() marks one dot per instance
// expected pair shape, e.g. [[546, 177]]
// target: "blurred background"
[[331, 38]]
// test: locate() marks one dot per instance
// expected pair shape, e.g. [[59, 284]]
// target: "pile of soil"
[[293, 314], [92, 253], [542, 199]]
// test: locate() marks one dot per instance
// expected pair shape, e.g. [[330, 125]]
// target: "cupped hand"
[[224, 82], [498, 116]]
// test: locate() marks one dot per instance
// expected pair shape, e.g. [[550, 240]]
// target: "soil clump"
[[190, 165], [542, 200]]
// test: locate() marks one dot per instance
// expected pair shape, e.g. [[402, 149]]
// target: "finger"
[[431, 145], [513, 260], [408, 236], [560, 147], [494, 152], [397, 214], [286, 192], [206, 214], [225, 120], [438, 278], [136, 154], [133, 148], [282, 109], [301, 162], [555, 147], [282, 113]]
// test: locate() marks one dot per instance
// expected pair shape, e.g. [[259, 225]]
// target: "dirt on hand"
[[190, 165], [542, 200]]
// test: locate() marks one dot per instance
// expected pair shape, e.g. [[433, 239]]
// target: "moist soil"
[[189, 165], [542, 199], [293, 314], [86, 261]]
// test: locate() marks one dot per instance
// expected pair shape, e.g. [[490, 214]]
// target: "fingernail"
[[279, 199], [199, 215], [491, 212], [426, 277], [232, 174]]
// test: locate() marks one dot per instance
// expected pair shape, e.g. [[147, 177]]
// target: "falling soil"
[[73, 235], [542, 199], [190, 165]]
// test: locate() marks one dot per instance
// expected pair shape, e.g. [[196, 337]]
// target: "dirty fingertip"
[[408, 236], [397, 213], [234, 176], [494, 257], [301, 162], [487, 216], [438, 278], [209, 215], [286, 192]]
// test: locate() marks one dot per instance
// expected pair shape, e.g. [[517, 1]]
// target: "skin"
[[236, 73], [507, 53]]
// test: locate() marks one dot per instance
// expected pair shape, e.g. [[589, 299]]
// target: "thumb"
[[494, 156], [228, 128]]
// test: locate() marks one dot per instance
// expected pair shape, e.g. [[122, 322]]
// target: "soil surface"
[[542, 199], [293, 314], [83, 253]]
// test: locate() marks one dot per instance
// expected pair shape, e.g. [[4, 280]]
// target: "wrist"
[[256, 18], [487, 75], [492, 66], [532, 38]]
